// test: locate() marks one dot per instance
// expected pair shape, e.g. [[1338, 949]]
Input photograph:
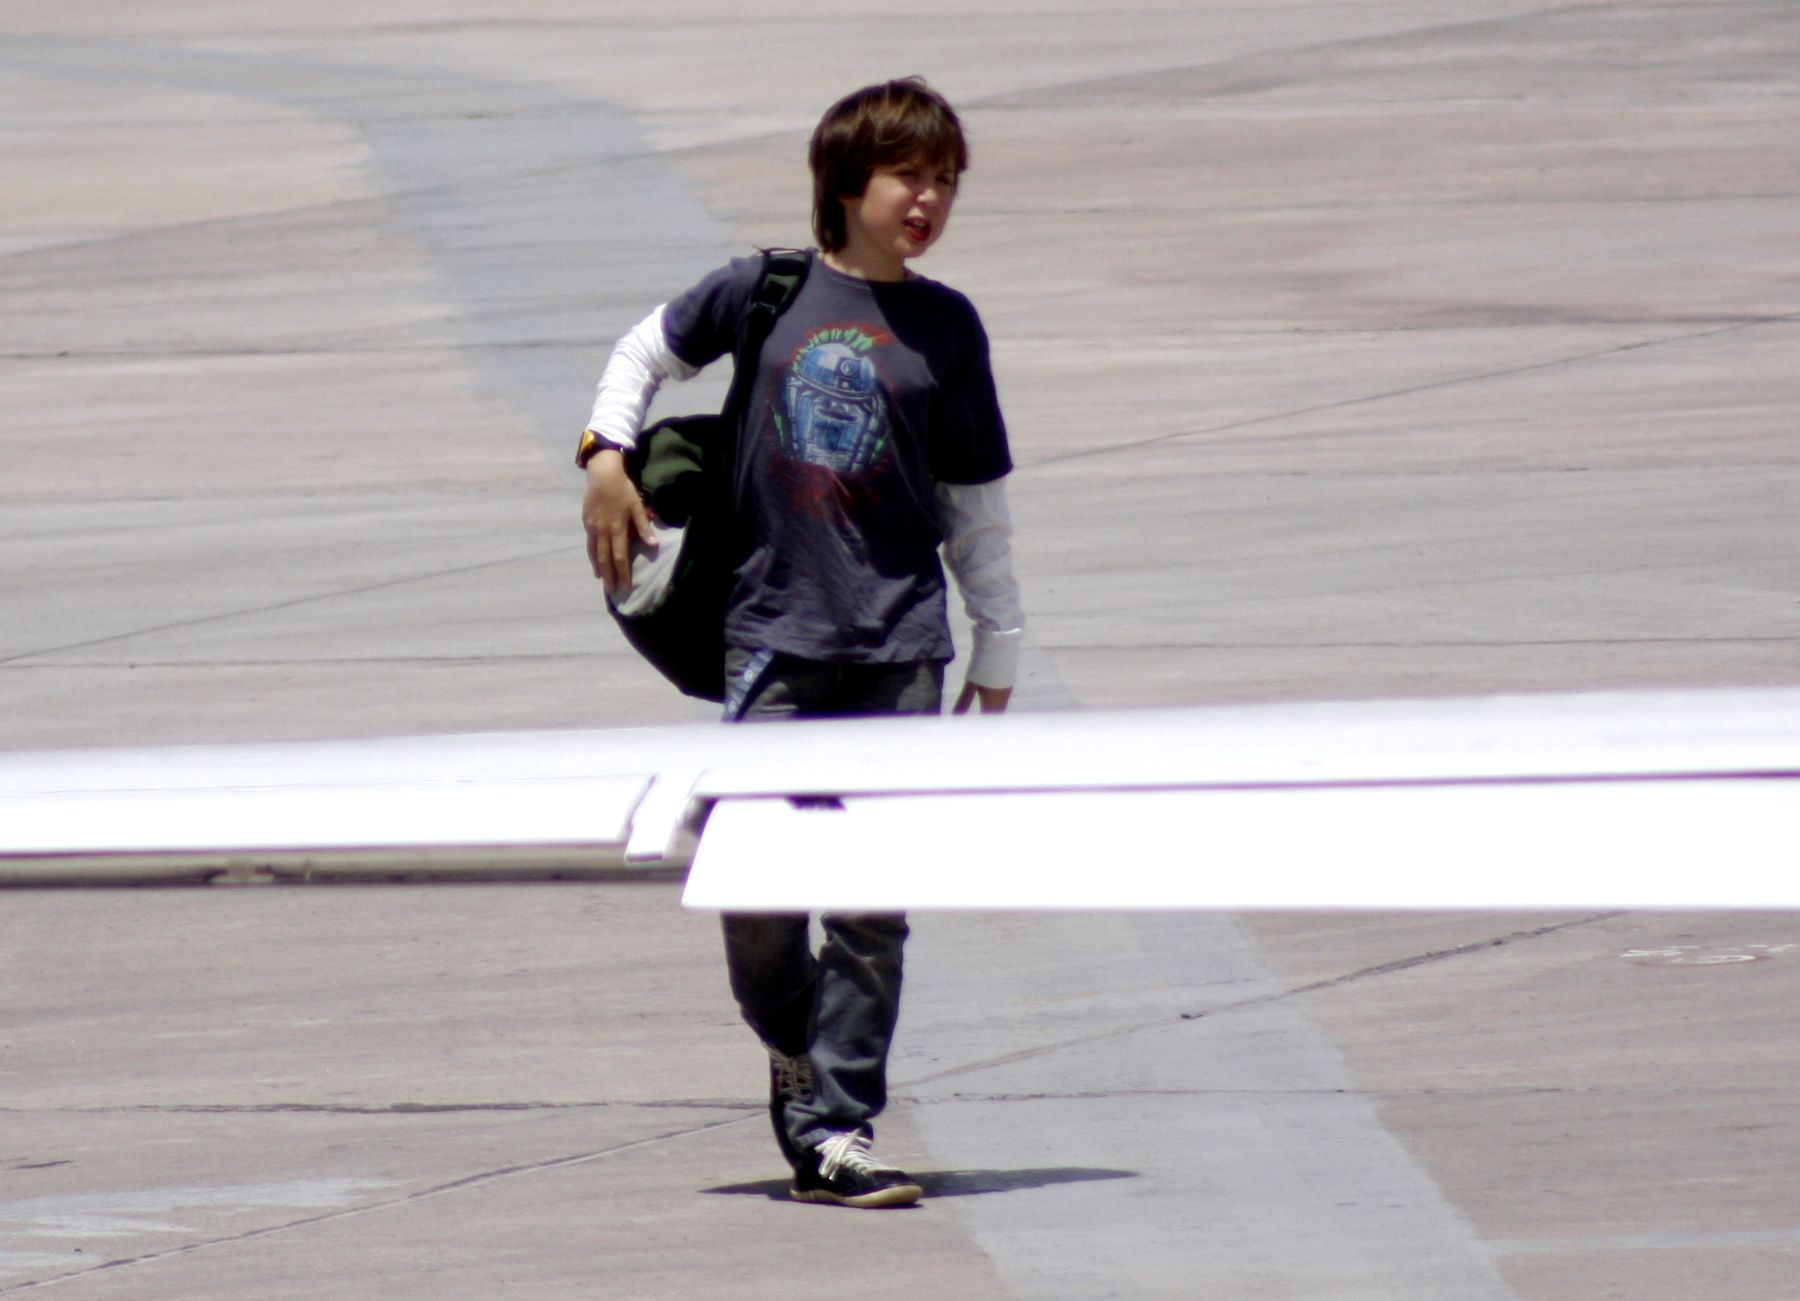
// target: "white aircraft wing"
[[1630, 800]]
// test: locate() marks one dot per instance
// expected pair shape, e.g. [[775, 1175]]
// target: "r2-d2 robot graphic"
[[835, 413]]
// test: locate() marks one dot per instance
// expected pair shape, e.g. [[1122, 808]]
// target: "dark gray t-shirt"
[[866, 395]]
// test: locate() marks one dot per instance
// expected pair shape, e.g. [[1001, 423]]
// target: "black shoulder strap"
[[783, 273]]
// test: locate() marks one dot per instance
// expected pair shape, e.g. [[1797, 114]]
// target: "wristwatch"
[[591, 443]]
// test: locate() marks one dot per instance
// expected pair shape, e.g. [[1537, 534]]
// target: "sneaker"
[[843, 1172], [790, 1080]]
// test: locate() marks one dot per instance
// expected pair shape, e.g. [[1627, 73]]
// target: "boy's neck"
[[865, 264]]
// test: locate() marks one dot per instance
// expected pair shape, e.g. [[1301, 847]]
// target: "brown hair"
[[878, 126]]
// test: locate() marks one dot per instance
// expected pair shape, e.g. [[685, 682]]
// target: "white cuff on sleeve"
[[994, 659]]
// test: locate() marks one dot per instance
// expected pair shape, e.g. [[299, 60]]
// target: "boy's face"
[[901, 212]]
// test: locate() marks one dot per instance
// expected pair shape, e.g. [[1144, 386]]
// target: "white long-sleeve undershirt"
[[978, 553], [977, 523], [641, 363]]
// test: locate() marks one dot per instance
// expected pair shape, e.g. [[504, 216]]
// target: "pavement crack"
[[1407, 964], [388, 1108], [1260, 1000], [1274, 66], [1449, 381], [1102, 1095], [576, 657], [407, 1199], [290, 604], [353, 348], [1459, 643]]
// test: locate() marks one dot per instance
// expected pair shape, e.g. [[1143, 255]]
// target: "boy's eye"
[[917, 175]]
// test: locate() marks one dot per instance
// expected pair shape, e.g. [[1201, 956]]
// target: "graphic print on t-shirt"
[[833, 410]]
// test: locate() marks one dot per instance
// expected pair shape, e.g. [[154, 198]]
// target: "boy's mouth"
[[918, 229]]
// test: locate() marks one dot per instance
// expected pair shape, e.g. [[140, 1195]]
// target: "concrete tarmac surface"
[[1351, 350]]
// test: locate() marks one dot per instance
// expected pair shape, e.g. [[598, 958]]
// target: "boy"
[[872, 435]]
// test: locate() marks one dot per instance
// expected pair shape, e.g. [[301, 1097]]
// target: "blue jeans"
[[838, 1006]]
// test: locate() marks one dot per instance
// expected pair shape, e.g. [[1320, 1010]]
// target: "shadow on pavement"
[[952, 1183]]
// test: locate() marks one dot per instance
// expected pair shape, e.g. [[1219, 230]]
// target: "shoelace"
[[793, 1075], [848, 1152]]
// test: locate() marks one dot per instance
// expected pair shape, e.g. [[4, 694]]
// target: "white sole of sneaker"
[[899, 1195]]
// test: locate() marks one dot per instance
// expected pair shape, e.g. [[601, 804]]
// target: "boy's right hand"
[[613, 515]]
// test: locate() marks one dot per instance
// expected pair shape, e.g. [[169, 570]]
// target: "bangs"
[[910, 132]]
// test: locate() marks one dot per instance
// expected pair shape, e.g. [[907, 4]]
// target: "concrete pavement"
[[1350, 350]]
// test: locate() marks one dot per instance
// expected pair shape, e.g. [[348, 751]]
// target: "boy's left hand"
[[993, 699]]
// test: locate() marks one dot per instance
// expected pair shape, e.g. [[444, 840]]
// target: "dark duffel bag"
[[674, 614]]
